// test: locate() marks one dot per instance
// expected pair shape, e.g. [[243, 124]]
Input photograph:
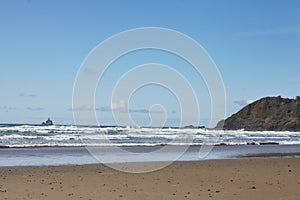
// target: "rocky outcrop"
[[193, 127], [49, 122], [266, 114]]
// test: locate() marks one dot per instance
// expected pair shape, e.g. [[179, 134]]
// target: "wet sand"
[[264, 178]]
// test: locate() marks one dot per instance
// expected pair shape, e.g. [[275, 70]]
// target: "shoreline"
[[251, 157], [264, 178], [154, 145], [270, 155], [55, 156]]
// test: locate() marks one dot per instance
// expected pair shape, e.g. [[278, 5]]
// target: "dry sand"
[[220, 179]]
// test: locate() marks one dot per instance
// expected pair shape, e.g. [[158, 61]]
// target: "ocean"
[[62, 144], [66, 136]]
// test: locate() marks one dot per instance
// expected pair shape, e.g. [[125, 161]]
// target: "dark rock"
[[268, 143], [266, 114], [194, 127], [49, 122]]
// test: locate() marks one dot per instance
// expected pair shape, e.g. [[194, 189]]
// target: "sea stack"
[[49, 122]]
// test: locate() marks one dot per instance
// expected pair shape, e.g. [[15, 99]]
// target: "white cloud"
[[35, 108], [91, 70], [81, 108], [27, 95], [120, 106], [243, 102], [7, 108]]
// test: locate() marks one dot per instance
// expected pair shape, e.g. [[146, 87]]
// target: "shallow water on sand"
[[81, 155]]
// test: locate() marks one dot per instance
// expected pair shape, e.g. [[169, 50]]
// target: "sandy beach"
[[264, 178]]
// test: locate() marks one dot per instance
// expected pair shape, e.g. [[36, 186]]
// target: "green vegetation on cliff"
[[266, 114]]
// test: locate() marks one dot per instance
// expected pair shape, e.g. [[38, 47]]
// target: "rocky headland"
[[266, 114]]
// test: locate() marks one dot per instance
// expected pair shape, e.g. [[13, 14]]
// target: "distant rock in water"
[[266, 114], [193, 127], [49, 122]]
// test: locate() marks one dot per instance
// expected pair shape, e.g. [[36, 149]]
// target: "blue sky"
[[255, 45]]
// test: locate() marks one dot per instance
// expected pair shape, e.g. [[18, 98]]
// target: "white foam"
[[27, 135]]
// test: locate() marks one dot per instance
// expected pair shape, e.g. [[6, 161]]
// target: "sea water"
[[24, 145], [65, 136]]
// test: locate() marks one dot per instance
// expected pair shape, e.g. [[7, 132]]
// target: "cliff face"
[[269, 113]]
